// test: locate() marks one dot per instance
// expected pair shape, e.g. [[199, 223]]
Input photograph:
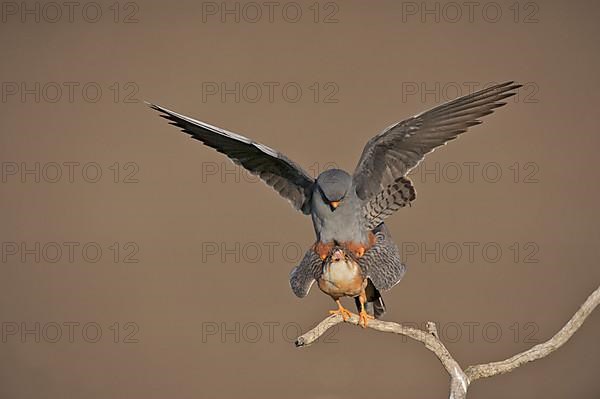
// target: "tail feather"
[[378, 307]]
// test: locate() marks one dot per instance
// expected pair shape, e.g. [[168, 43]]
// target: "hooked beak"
[[337, 255], [334, 204]]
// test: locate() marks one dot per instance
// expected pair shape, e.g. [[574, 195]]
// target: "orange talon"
[[364, 318], [346, 314]]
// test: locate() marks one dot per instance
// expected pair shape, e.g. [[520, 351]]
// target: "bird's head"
[[332, 187], [337, 255]]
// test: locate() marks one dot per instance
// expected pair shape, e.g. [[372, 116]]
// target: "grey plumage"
[[385, 160], [381, 265], [395, 196], [333, 184], [274, 168], [348, 209], [303, 276], [399, 148]]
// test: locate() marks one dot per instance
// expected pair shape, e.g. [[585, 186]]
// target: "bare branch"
[[541, 350], [459, 379]]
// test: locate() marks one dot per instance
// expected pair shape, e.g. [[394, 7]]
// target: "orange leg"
[[346, 314], [323, 249], [360, 249], [363, 316], [357, 249]]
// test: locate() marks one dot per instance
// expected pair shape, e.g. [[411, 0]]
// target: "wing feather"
[[382, 263], [274, 168], [394, 152]]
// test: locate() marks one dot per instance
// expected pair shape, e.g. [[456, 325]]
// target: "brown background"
[[371, 54]]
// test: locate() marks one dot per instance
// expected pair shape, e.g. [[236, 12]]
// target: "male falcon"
[[353, 254]]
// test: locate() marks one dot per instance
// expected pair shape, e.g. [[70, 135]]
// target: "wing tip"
[[509, 86], [158, 108], [151, 105]]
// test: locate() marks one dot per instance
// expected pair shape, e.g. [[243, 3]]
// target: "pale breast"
[[342, 278]]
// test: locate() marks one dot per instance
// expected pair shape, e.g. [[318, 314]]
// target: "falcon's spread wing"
[[399, 148], [382, 262], [304, 275], [274, 168]]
